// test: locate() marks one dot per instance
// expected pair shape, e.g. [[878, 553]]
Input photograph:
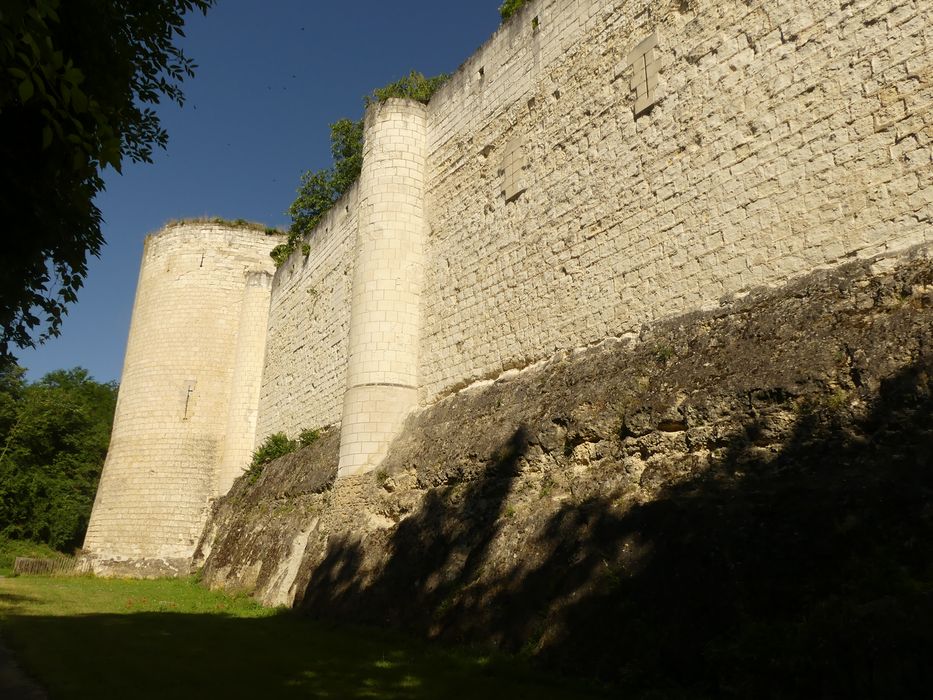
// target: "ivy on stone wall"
[[320, 189]]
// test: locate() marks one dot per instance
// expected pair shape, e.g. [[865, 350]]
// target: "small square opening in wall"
[[644, 64], [513, 166]]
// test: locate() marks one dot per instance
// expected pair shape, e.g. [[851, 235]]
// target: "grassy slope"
[[10, 549], [87, 637]]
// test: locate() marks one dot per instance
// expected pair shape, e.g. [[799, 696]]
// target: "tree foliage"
[[320, 189], [78, 80], [54, 435], [510, 7]]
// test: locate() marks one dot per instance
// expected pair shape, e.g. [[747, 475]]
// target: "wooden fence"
[[59, 566]]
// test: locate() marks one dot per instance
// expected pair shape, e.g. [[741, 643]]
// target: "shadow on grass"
[[801, 571], [800, 567], [12, 603], [14, 598], [159, 655]]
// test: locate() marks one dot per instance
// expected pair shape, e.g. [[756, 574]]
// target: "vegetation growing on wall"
[[230, 223], [510, 7], [278, 445], [319, 190], [413, 86], [274, 446], [54, 435]]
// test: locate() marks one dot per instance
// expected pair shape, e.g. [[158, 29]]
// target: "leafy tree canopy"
[[78, 80], [320, 189], [54, 435]]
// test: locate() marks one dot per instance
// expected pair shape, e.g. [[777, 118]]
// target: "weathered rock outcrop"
[[735, 502]]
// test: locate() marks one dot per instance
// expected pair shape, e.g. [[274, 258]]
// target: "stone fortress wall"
[[187, 407], [785, 135], [305, 372], [779, 137], [596, 165]]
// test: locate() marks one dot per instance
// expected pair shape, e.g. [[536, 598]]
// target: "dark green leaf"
[[26, 90]]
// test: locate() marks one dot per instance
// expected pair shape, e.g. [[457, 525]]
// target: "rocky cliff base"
[[734, 503], [111, 567]]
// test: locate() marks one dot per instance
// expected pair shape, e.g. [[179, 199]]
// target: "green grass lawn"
[[85, 637]]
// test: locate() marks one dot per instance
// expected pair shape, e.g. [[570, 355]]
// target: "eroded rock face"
[[732, 502], [256, 534]]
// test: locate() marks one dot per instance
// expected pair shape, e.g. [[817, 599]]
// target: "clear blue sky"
[[272, 75]]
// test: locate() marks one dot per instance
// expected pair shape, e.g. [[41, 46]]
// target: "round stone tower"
[[385, 311], [186, 411]]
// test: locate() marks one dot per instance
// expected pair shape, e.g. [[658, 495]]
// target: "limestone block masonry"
[[240, 434], [783, 136], [597, 165], [382, 368], [305, 373], [188, 395]]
